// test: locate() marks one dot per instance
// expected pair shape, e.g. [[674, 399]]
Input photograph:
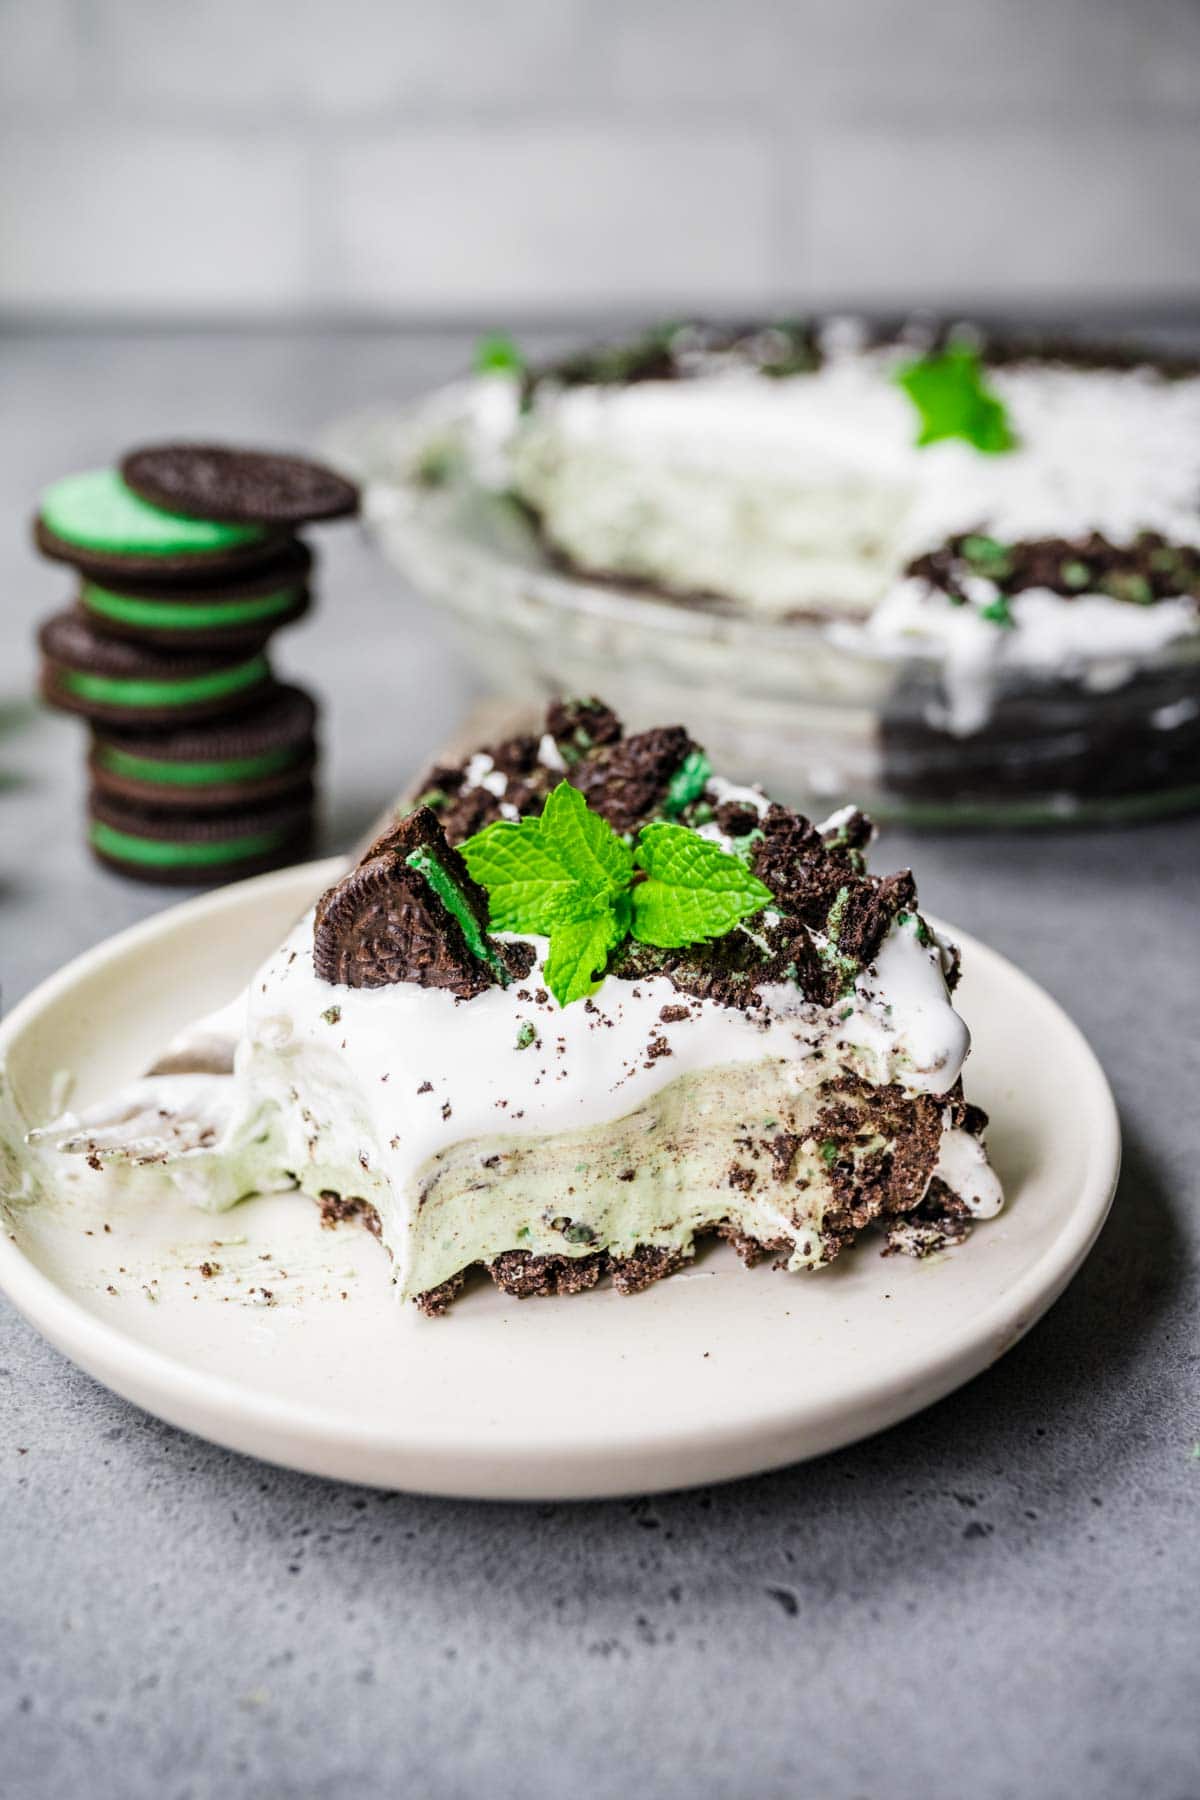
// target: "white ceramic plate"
[[295, 1349]]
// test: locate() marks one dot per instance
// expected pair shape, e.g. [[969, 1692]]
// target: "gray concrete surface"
[[997, 1599]]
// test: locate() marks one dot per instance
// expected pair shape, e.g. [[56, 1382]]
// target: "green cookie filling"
[[160, 853], [98, 512], [188, 615], [197, 774], [452, 898], [136, 690]]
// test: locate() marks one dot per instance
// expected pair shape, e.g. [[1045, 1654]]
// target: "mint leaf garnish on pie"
[[953, 400], [559, 869], [498, 355], [578, 953], [693, 890], [568, 876]]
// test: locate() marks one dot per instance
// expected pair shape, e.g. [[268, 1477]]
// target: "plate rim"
[[298, 1436]]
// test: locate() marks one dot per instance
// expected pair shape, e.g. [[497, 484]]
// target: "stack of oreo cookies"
[[201, 762]]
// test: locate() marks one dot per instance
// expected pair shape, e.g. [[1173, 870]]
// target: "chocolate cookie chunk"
[[410, 912], [250, 487], [120, 683], [198, 768], [193, 851], [243, 609], [628, 781], [100, 525]]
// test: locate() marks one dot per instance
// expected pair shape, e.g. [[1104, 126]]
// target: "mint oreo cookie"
[[262, 755], [194, 851], [115, 682], [244, 608], [241, 487], [100, 525]]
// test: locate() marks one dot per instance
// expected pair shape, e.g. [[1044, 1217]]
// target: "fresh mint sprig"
[[954, 401], [567, 876], [497, 354]]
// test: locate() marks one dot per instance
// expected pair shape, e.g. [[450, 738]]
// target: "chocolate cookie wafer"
[[243, 487], [115, 682], [241, 609], [195, 849], [260, 755], [100, 525]]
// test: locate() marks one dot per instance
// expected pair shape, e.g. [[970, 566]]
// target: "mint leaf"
[[599, 860], [578, 953], [954, 401], [693, 890], [567, 876], [528, 885], [565, 866], [496, 354]]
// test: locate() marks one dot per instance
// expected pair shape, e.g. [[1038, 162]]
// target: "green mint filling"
[[98, 512], [1131, 587], [743, 847], [161, 853], [845, 966], [836, 913], [996, 612], [196, 774], [688, 783], [123, 690], [987, 556], [920, 929], [829, 1152], [189, 615], [455, 902], [1074, 575]]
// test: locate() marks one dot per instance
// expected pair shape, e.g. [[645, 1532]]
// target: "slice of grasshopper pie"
[[585, 1006]]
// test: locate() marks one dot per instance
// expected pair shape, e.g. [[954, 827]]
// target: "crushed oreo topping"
[[1149, 569], [628, 781], [829, 916], [684, 350]]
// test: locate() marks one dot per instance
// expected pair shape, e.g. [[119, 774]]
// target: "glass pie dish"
[[816, 709]]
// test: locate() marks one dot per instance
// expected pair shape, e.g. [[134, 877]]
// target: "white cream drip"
[[1092, 638]]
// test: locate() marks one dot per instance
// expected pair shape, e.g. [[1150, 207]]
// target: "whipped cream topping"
[[809, 493], [1109, 450]]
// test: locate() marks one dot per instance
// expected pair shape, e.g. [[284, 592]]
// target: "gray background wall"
[[232, 157]]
